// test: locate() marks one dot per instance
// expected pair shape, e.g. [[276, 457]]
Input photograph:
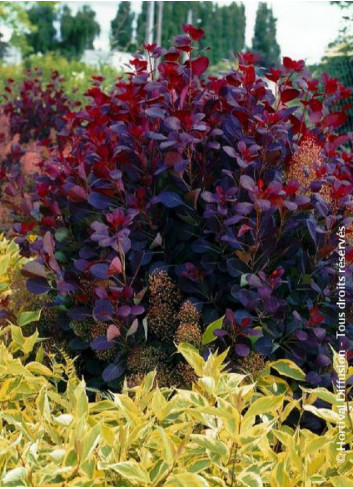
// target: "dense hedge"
[[236, 188]]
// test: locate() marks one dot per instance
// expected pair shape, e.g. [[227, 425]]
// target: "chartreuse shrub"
[[239, 189], [77, 75], [27, 313], [226, 431], [14, 297]]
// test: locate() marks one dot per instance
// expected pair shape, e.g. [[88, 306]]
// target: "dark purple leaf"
[[112, 372], [48, 243], [99, 201], [253, 280], [101, 343], [99, 270], [170, 199], [264, 204], [173, 123], [244, 208], [155, 112], [103, 310], [313, 378], [38, 285], [34, 269], [230, 151], [271, 305], [301, 335], [247, 183], [155, 135], [79, 313], [124, 311], [220, 332], [242, 350], [323, 361], [320, 333], [137, 310]]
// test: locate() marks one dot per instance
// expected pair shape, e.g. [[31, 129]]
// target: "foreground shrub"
[[13, 293], [237, 190], [225, 432]]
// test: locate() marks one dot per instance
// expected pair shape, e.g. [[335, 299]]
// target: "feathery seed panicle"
[[162, 289], [186, 375], [188, 313], [305, 162], [162, 321], [253, 364], [305, 165], [188, 333], [98, 329], [145, 358], [82, 329]]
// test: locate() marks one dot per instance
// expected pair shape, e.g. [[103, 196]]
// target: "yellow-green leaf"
[[288, 369]]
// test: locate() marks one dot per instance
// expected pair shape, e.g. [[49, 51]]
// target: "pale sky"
[[304, 28]]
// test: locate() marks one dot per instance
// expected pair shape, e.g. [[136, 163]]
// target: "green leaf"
[[288, 369], [323, 413], [186, 479], [250, 479], [168, 446], [212, 444], [208, 335], [341, 481], [266, 404], [323, 394], [131, 471], [192, 356], [28, 317], [61, 234], [90, 442]]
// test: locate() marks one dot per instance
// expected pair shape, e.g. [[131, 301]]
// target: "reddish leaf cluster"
[[173, 169]]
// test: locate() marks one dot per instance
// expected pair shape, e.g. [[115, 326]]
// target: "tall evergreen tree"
[[141, 24], [264, 41], [78, 32], [122, 27], [42, 16], [174, 14], [224, 25]]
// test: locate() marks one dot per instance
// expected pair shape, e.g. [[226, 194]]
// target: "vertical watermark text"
[[342, 354]]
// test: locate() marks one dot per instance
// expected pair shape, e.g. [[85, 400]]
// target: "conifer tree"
[[264, 40], [122, 27], [78, 32], [42, 16]]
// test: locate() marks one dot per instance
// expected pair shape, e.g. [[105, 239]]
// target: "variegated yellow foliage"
[[10, 263], [224, 432]]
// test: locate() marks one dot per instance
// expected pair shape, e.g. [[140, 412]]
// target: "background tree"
[[122, 27], [141, 24], [264, 41], [14, 15], [338, 59], [78, 32], [43, 37], [224, 25]]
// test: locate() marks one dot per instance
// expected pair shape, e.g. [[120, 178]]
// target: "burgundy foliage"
[[173, 169]]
